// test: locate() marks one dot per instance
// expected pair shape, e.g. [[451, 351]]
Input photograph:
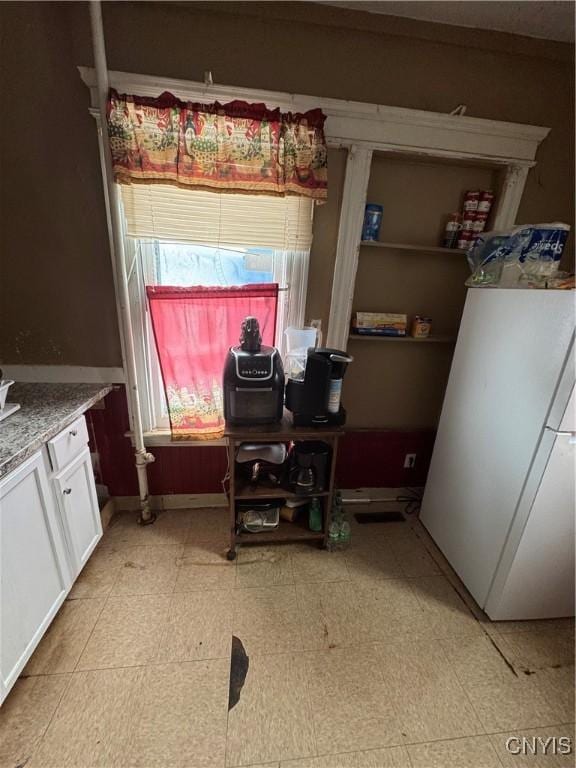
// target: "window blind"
[[164, 212]]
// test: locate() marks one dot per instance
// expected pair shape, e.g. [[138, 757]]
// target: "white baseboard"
[[63, 374], [172, 501]]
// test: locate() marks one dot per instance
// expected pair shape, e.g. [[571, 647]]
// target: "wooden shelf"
[[396, 339], [285, 431], [284, 533], [244, 492], [409, 247]]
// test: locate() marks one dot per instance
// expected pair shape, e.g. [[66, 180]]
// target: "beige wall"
[[57, 302]]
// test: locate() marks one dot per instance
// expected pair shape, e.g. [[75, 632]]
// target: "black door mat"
[[379, 517]]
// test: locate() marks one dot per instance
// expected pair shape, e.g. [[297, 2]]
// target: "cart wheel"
[[231, 554]]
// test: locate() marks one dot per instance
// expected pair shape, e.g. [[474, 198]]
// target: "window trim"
[[289, 273]]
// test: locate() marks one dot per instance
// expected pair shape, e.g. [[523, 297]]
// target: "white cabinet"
[[34, 573], [78, 504], [49, 525]]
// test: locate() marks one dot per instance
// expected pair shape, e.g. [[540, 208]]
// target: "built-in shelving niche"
[[410, 273]]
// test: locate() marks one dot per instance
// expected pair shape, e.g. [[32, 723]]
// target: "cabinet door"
[[34, 574], [76, 493]]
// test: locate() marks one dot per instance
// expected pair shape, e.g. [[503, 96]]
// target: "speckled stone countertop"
[[46, 410]]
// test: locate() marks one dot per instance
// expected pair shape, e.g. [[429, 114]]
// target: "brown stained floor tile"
[[414, 558], [91, 725], [199, 626], [127, 633], [66, 638], [503, 698], [273, 719], [267, 619], [311, 564], [328, 615], [204, 567], [391, 757], [264, 567], [546, 648], [182, 714], [146, 571], [25, 716], [443, 611], [169, 531], [424, 690], [99, 574], [470, 752], [372, 560], [351, 705]]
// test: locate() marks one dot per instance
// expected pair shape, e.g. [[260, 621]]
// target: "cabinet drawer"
[[68, 444]]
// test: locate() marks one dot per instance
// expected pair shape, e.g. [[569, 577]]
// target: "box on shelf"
[[379, 323]]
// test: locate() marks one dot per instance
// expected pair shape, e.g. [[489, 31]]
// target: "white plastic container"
[[300, 338], [298, 341]]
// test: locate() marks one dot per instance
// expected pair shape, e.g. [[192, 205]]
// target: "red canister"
[[471, 200], [485, 201]]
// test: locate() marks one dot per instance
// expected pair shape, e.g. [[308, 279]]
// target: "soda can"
[[372, 222]]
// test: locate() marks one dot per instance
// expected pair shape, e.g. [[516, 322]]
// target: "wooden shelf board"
[[410, 247], [428, 339], [243, 491], [285, 532], [282, 432]]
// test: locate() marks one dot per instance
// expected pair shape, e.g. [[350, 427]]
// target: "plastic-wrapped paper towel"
[[525, 256]]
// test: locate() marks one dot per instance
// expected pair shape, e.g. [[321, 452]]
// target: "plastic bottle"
[[345, 533], [315, 516], [333, 542]]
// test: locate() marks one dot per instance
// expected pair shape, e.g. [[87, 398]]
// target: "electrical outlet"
[[409, 461]]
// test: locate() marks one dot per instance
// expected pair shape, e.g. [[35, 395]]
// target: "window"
[[188, 237]]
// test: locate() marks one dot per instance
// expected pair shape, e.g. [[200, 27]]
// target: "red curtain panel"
[[194, 329]]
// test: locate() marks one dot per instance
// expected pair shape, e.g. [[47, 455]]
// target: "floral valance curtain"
[[194, 328], [236, 147]]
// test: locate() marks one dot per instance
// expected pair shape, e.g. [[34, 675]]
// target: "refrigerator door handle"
[[561, 432]]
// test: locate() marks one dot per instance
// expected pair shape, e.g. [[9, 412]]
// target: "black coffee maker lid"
[[250, 338], [337, 357]]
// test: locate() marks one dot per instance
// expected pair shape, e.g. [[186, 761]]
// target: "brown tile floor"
[[368, 658]]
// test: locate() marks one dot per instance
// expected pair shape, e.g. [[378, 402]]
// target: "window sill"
[[163, 437]]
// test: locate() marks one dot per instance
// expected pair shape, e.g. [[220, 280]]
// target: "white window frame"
[[291, 274]]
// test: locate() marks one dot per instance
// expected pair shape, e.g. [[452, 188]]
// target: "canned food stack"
[[475, 212]]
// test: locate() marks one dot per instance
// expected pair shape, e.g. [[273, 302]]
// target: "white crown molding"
[[353, 122], [63, 374]]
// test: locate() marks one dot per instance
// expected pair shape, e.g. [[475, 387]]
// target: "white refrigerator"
[[499, 499]]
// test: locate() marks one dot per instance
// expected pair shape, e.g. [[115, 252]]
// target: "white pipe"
[[143, 457]]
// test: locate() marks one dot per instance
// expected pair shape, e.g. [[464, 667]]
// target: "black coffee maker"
[[314, 400], [309, 463]]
